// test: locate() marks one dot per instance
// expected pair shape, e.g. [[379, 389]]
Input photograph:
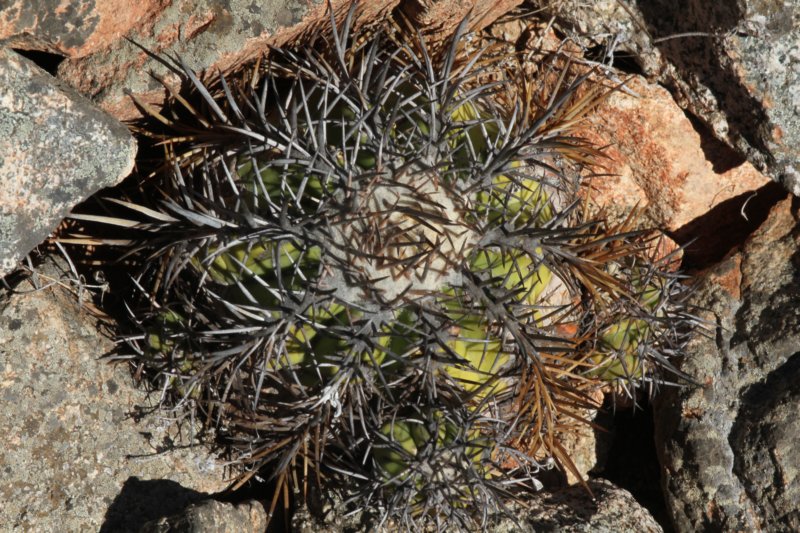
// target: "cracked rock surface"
[[729, 446], [733, 65], [73, 457], [57, 149]]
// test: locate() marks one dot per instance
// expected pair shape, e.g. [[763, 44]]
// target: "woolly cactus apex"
[[406, 242], [367, 272]]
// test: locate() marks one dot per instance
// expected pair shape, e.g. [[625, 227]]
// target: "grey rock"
[[765, 433], [57, 149], [728, 447], [617, 23], [569, 510], [211, 515], [734, 65], [573, 510], [74, 458], [202, 33]]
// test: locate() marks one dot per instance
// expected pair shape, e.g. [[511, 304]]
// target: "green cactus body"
[[160, 341], [618, 354], [518, 272], [394, 461], [481, 357], [407, 438], [619, 345]]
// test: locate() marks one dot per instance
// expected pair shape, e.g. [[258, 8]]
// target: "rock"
[[74, 458], [735, 66], [569, 510], [439, 18], [329, 517], [212, 515], [218, 35], [581, 446], [591, 23], [207, 34], [74, 28], [660, 161], [744, 82], [57, 150], [573, 510], [728, 446], [656, 159]]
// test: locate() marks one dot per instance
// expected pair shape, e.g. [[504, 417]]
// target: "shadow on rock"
[[141, 501], [697, 58]]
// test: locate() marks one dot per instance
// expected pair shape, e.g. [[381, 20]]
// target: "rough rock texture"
[[74, 461], [211, 515], [73, 457], [659, 160], [73, 28], [203, 33], [583, 448], [440, 17], [56, 150], [656, 159], [217, 35], [571, 510], [734, 65], [729, 446]]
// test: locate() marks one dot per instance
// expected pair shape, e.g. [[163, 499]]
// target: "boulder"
[[728, 445], [74, 28], [573, 510], [218, 35], [212, 515], [57, 150], [77, 455], [568, 510], [733, 65], [656, 160]]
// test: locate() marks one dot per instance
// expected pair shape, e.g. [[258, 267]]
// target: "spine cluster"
[[366, 263]]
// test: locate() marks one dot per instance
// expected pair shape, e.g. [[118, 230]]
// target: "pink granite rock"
[[216, 35], [57, 149], [656, 159], [73, 28]]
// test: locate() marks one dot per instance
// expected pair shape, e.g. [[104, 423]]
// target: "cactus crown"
[[364, 262]]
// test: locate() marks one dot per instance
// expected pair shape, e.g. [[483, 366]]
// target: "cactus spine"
[[359, 262]]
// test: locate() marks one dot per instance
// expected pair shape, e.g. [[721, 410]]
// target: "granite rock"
[[72, 28], [655, 160], [75, 458], [728, 446], [733, 65], [57, 150], [573, 510], [220, 35], [206, 34], [212, 515], [570, 510]]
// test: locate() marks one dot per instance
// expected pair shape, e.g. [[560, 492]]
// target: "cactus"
[[365, 264]]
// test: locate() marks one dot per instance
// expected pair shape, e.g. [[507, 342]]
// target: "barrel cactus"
[[366, 263]]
